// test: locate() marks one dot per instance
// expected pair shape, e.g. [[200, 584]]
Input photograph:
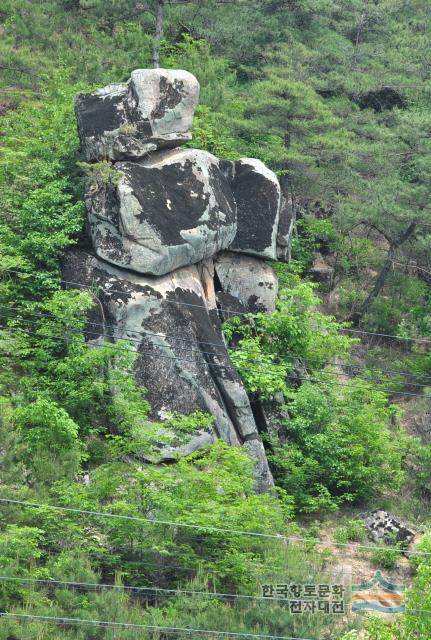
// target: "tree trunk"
[[381, 278], [160, 6]]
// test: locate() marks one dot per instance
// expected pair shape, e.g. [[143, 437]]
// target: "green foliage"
[[334, 96], [312, 233], [93, 385], [100, 174], [419, 595], [339, 448], [47, 440], [411, 625], [417, 561], [216, 79], [296, 330], [351, 531], [385, 558], [335, 446], [211, 134], [287, 123], [378, 628]]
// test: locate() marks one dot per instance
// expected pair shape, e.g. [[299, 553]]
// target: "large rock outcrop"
[[170, 230], [251, 281]]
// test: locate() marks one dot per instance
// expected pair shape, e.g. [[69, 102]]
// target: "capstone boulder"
[[153, 110]]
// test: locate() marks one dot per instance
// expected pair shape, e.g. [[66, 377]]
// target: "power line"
[[130, 625], [224, 354], [229, 311], [157, 590], [149, 590], [114, 327], [210, 528], [156, 355], [232, 369], [219, 345], [239, 369], [183, 304], [386, 335], [162, 566]]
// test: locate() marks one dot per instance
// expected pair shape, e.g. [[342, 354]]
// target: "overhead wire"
[[225, 347], [210, 528], [147, 627], [224, 310], [236, 370], [291, 376], [150, 590], [156, 590]]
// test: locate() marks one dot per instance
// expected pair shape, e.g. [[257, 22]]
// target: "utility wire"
[[149, 590], [210, 528], [239, 369], [130, 625], [218, 345], [230, 311], [109, 291], [161, 566], [386, 335], [223, 354], [156, 590], [104, 326]]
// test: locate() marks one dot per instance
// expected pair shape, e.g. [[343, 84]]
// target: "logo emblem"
[[379, 595]]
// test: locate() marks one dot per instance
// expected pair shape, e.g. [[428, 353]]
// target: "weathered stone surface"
[[248, 279], [384, 527], [183, 363], [172, 209], [257, 194], [153, 110], [180, 237], [285, 229], [272, 417]]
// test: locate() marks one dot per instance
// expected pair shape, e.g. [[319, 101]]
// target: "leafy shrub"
[[296, 330], [48, 440], [339, 447], [351, 531], [385, 558]]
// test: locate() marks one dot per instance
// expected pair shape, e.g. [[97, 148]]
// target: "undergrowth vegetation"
[[333, 96]]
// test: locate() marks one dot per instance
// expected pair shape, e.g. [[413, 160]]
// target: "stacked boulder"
[[180, 240]]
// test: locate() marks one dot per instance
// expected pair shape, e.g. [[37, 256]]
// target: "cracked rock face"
[[250, 280], [183, 362], [170, 210], [257, 194], [153, 110]]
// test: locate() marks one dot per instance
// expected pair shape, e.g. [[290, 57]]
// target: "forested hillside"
[[334, 96]]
